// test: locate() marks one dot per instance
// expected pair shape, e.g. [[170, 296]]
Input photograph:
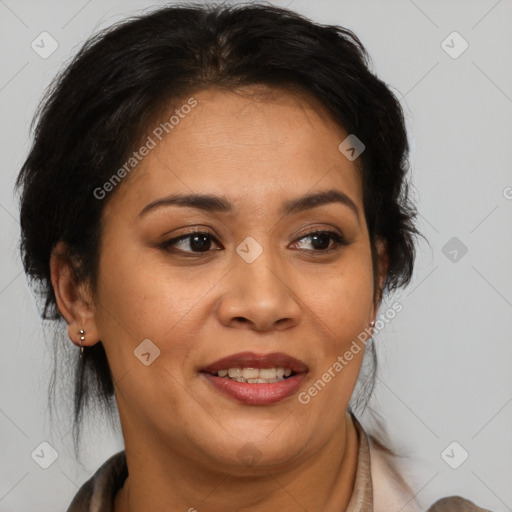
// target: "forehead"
[[252, 142]]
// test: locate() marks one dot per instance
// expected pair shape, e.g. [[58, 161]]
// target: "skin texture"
[[256, 147]]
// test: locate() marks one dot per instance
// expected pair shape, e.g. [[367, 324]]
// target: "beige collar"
[[378, 486]]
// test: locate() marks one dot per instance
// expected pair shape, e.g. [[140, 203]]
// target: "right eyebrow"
[[206, 202]]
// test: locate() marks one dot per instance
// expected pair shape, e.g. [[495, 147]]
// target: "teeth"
[[250, 373], [268, 373], [255, 375]]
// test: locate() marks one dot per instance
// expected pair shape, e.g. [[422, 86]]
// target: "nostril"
[[241, 319]]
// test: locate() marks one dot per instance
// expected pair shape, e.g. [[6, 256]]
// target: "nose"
[[258, 296]]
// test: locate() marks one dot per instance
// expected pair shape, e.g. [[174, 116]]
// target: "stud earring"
[[82, 338], [372, 324]]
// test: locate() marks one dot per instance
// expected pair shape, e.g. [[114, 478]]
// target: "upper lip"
[[253, 360]]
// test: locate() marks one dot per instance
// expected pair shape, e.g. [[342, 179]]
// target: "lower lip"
[[257, 394]]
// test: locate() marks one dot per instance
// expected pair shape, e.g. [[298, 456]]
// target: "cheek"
[[140, 297], [340, 306], [341, 299]]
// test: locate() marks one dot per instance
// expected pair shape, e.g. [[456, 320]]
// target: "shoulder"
[[98, 492], [391, 492], [455, 504]]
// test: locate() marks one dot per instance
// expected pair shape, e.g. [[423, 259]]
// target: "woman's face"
[[239, 170]]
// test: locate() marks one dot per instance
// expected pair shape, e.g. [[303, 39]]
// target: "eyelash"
[[336, 237]]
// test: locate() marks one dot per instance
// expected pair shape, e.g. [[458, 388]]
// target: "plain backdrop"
[[445, 381]]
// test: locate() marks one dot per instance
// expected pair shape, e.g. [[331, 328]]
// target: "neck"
[[324, 482]]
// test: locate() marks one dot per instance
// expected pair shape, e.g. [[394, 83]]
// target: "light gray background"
[[445, 359]]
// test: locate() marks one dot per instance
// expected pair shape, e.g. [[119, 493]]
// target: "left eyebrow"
[[317, 199]]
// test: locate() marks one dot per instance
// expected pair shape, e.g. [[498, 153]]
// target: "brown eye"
[[322, 241], [198, 242]]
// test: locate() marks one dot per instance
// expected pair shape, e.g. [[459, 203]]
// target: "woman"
[[216, 203]]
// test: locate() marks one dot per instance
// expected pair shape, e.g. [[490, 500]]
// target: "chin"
[[252, 450]]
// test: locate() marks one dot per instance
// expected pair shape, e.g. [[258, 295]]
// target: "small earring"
[[372, 324], [82, 338]]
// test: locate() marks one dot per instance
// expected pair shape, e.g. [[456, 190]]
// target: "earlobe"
[[72, 297]]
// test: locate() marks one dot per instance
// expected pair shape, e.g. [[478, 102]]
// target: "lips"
[[257, 391], [252, 360]]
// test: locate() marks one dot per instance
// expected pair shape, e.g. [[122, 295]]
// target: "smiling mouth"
[[255, 375], [256, 379], [254, 368]]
